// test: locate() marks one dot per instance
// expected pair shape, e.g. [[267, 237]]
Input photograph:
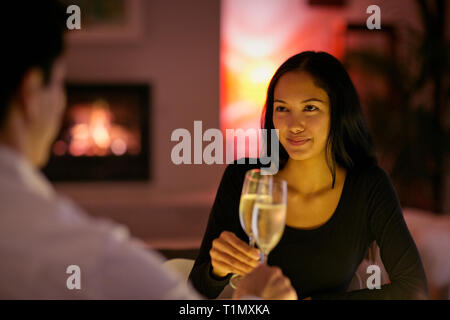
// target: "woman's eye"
[[311, 108], [280, 109]]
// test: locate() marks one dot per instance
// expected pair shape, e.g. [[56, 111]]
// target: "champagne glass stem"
[[264, 258], [252, 242]]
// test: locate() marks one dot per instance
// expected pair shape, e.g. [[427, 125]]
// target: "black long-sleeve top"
[[321, 262]]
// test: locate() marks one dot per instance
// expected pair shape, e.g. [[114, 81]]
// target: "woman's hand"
[[267, 283], [229, 254]]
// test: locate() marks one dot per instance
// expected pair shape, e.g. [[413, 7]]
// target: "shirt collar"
[[12, 162]]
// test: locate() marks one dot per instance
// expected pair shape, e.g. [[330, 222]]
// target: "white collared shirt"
[[42, 234]]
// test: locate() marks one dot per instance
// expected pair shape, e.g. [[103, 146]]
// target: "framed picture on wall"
[[106, 21]]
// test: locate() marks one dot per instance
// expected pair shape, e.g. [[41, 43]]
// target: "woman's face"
[[301, 113]]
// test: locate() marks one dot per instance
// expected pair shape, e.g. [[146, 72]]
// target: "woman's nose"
[[297, 126]]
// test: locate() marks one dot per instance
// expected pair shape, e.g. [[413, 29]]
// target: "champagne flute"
[[249, 192], [269, 215]]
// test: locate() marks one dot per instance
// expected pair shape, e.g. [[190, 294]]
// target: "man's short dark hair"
[[31, 33]]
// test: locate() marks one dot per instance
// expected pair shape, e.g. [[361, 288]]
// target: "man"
[[42, 233]]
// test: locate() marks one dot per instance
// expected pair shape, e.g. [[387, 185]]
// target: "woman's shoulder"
[[371, 170], [370, 176]]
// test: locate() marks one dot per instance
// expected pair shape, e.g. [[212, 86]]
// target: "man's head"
[[32, 97]]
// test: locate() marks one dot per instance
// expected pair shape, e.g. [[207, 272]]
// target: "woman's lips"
[[297, 142]]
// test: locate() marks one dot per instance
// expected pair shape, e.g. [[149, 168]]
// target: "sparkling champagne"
[[268, 223], [246, 210]]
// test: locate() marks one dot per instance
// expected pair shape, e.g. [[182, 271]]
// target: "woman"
[[339, 201]]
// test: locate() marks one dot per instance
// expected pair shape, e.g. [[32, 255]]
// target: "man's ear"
[[28, 94]]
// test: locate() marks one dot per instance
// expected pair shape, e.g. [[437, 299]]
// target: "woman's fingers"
[[230, 268], [234, 265], [225, 247], [240, 245], [229, 254]]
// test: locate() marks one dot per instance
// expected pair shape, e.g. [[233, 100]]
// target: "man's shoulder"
[[55, 222], [370, 179]]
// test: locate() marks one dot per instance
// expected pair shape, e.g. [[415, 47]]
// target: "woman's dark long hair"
[[349, 139]]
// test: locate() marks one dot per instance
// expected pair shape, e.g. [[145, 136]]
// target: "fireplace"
[[104, 134]]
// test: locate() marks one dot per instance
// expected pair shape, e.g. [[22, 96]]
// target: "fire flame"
[[94, 133]]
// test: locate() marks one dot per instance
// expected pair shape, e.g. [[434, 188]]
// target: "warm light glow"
[[80, 131], [256, 37], [95, 133], [78, 147], [60, 148], [101, 137], [100, 123], [118, 147], [261, 74]]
